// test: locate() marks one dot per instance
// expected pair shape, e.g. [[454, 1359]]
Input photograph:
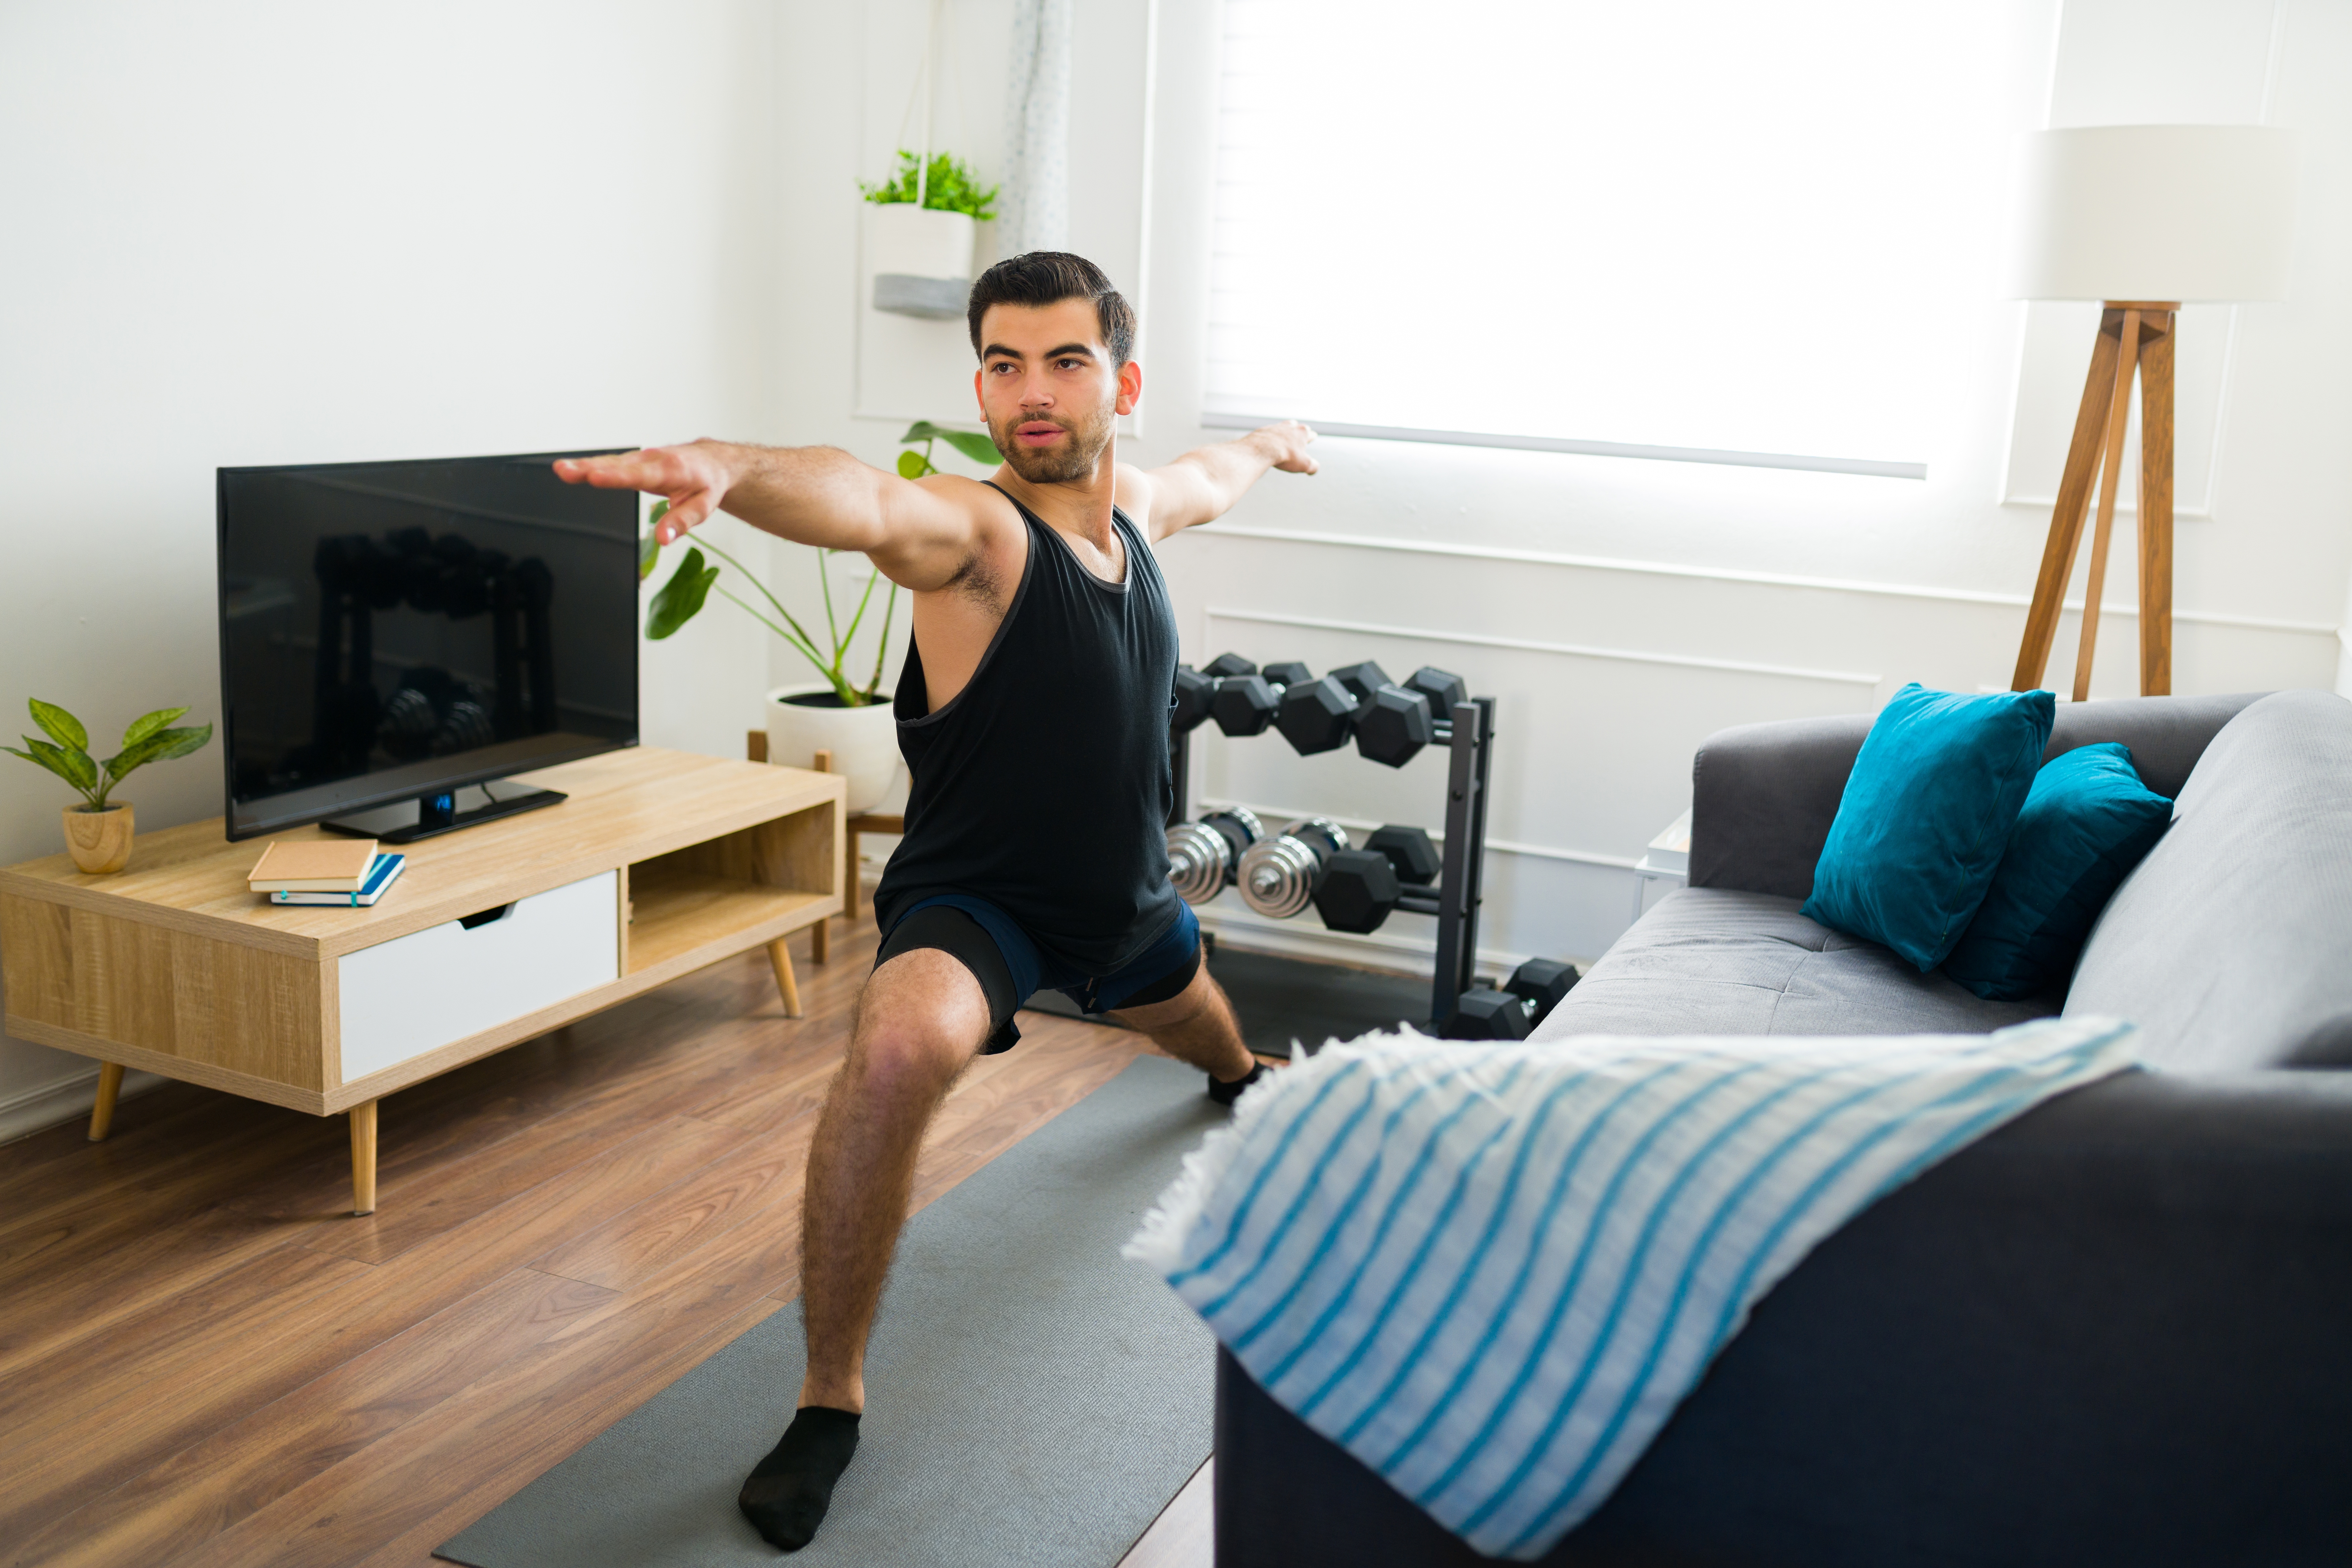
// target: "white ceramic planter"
[[917, 242], [864, 741]]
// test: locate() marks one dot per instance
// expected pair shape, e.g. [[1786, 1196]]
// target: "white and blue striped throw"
[[1491, 1272]]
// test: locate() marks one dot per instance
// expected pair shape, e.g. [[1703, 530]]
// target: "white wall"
[[1861, 583], [275, 233], [1621, 610]]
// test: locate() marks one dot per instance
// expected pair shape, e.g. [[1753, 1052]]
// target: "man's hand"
[[1288, 441], [693, 479]]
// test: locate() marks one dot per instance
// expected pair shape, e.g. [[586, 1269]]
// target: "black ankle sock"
[[786, 1494], [1225, 1093]]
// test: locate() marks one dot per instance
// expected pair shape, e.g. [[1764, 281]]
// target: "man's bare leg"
[[921, 1021], [1196, 1026]]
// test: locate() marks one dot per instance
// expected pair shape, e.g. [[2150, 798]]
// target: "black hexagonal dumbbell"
[[1410, 851], [1189, 707], [1400, 720], [1226, 665], [1358, 888], [1442, 686], [1542, 982], [1288, 673], [1482, 1013], [1361, 679], [1245, 704], [1317, 716], [1394, 725]]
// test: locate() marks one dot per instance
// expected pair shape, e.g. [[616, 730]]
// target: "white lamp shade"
[[2153, 212]]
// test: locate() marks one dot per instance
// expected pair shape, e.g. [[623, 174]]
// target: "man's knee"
[[922, 1019]]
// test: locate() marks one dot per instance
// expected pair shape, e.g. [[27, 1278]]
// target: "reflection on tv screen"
[[378, 617]]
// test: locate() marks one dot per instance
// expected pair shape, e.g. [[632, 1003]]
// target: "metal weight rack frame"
[[1469, 734]]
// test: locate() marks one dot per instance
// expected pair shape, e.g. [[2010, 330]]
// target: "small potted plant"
[[919, 234], [98, 831], [834, 714]]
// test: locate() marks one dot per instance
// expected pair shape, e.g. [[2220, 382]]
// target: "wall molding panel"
[[1732, 574], [1526, 645]]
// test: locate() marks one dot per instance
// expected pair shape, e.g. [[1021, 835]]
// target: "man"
[[1032, 713]]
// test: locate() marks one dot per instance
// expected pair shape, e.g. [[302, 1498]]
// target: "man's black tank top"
[[1044, 785]]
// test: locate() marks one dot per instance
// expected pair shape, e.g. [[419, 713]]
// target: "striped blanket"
[[1491, 1272]]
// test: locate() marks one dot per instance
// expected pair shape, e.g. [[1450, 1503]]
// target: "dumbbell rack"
[[1469, 738]]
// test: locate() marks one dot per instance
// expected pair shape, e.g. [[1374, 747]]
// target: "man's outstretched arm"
[[1200, 486], [920, 533]]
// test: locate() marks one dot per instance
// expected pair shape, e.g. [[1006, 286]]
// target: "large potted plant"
[[100, 830], [919, 229], [833, 714]]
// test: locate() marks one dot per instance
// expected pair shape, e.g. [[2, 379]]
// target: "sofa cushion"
[[2086, 823], [1924, 815], [1717, 960], [2231, 946]]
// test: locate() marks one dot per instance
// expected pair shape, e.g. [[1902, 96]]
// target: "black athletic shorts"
[[1010, 968]]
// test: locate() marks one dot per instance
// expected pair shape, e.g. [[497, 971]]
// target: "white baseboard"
[[37, 1109]]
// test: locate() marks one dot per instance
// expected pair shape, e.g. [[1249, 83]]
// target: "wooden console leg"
[[101, 1115], [821, 933], [363, 1158], [780, 958]]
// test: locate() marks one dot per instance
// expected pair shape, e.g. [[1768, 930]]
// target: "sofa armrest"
[[2112, 1331], [1762, 799]]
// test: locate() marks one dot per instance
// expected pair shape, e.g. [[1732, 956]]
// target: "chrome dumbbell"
[[1203, 855], [1278, 875]]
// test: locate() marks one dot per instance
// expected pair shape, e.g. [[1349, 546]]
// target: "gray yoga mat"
[[1031, 1396]]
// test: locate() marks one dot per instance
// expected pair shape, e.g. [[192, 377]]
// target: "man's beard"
[[1072, 460]]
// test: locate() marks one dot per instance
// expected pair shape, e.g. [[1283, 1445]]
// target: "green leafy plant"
[[681, 598], [947, 187], [66, 753]]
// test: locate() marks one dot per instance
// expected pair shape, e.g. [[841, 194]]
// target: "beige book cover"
[[315, 865]]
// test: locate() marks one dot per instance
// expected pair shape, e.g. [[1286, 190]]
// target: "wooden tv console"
[[660, 863]]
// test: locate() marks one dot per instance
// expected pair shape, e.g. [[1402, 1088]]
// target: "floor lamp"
[[2142, 218]]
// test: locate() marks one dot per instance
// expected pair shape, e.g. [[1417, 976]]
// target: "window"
[[1727, 230]]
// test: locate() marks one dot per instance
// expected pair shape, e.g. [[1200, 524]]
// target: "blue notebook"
[[380, 875]]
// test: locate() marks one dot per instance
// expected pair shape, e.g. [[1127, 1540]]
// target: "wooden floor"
[[205, 1360]]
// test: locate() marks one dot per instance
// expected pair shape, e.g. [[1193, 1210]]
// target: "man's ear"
[[1130, 386], [979, 400]]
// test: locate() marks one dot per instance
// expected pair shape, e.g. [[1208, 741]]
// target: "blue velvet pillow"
[[2086, 823], [1926, 815]]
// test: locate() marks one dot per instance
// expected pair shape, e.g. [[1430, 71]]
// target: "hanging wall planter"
[[921, 258]]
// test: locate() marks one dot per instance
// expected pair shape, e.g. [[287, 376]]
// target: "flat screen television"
[[396, 637]]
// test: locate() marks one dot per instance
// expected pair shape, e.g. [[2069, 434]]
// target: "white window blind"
[[1710, 228]]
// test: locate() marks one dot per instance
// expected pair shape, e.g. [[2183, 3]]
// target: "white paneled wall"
[[1621, 610]]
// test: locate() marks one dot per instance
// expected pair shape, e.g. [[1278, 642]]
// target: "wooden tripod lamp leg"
[[101, 1115], [2156, 506], [2074, 497], [2111, 468]]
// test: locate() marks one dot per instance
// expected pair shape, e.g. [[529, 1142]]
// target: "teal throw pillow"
[[2086, 823], [1926, 815]]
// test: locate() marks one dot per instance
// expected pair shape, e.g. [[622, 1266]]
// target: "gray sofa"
[[2117, 1330]]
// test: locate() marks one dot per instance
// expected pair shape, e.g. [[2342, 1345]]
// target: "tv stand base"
[[433, 814]]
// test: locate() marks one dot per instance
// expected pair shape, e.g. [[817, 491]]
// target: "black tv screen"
[[393, 630]]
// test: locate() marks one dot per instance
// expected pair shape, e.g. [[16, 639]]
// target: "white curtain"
[[1033, 213]]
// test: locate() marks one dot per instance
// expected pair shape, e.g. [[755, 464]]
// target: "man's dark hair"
[[1047, 277]]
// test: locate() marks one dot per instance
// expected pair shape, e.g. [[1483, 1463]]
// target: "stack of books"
[[345, 871]]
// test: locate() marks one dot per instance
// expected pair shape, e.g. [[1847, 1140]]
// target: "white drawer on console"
[[420, 992]]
